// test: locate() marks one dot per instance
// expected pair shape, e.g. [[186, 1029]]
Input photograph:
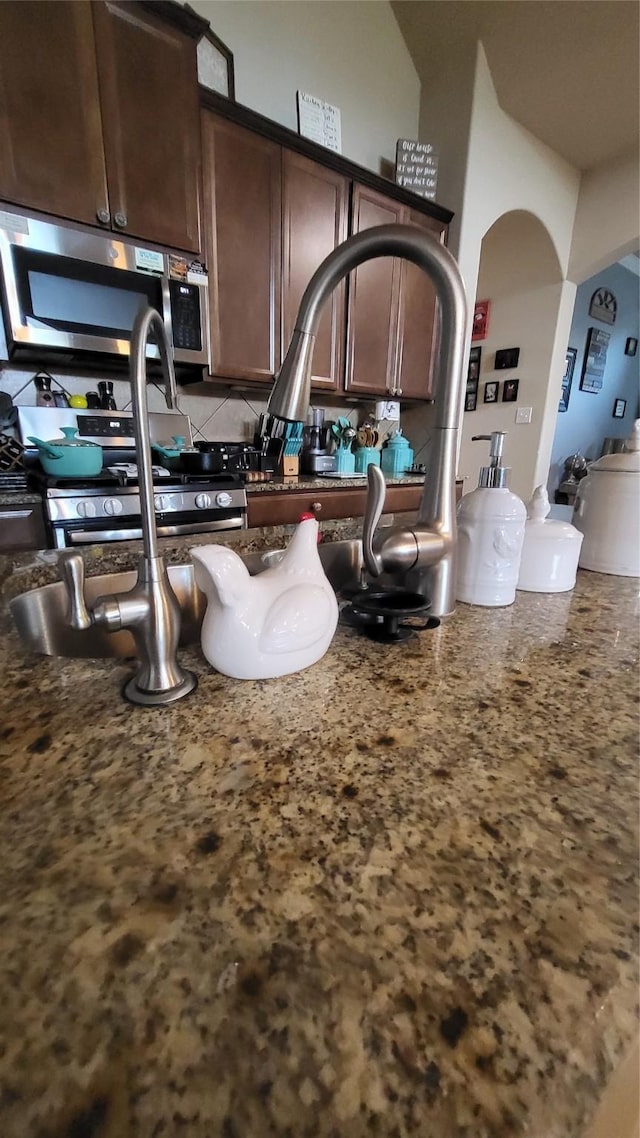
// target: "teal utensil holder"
[[364, 457], [345, 460]]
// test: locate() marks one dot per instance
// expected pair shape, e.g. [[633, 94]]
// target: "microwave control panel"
[[185, 315]]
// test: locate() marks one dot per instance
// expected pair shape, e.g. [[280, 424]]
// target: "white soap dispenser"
[[491, 523]]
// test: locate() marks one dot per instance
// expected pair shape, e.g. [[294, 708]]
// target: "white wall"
[[519, 272], [445, 114], [607, 225], [510, 170], [349, 52]]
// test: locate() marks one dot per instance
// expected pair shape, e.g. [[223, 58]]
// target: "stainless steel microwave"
[[70, 292]]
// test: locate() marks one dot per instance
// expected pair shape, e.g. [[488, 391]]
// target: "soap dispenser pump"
[[491, 521]]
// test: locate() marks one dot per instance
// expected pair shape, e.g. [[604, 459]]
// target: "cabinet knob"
[[398, 391], [104, 216], [316, 507], [120, 219]]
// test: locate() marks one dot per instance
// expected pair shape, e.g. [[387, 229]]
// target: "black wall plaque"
[[506, 357], [417, 167]]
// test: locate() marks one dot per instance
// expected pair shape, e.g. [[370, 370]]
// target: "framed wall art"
[[619, 408], [631, 346], [506, 358], [595, 358], [569, 365], [491, 391], [480, 327], [510, 390], [603, 306], [215, 64], [473, 376]]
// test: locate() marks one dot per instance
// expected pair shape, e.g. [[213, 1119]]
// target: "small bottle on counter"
[[491, 523]]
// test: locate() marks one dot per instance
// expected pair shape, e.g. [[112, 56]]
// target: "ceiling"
[[568, 70]]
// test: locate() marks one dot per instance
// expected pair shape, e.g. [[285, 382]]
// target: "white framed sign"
[[319, 121]]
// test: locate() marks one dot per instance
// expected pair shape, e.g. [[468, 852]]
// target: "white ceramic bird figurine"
[[278, 622]]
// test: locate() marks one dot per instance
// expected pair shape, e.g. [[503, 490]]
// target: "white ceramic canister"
[[491, 523], [607, 512], [550, 551]]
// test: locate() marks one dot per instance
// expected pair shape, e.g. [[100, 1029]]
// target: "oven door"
[[76, 291], [87, 532]]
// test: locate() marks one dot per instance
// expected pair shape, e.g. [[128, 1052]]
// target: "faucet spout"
[[433, 552], [150, 609], [147, 322]]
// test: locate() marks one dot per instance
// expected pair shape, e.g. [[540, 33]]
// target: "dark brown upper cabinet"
[[419, 321], [374, 303], [271, 216], [99, 117], [147, 71], [51, 150], [393, 324], [315, 205], [242, 212], [274, 207]]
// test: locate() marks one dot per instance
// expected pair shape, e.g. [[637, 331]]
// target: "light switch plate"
[[388, 409], [523, 414]]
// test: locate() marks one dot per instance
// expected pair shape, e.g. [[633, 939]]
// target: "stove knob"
[[161, 502], [223, 499], [86, 508], [203, 501], [112, 506]]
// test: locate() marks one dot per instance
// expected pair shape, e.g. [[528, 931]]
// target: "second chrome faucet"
[[150, 609], [429, 546]]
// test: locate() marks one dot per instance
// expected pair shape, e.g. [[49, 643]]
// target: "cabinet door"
[[51, 150], [419, 320], [150, 117], [373, 306], [242, 188], [314, 221]]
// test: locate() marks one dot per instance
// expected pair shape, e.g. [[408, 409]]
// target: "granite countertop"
[[308, 482], [18, 497], [394, 894]]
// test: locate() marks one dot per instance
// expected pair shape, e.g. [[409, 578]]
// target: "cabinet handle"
[[316, 507], [120, 219], [104, 216], [398, 391], [392, 389]]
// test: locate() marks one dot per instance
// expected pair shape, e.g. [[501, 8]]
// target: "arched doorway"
[[520, 275]]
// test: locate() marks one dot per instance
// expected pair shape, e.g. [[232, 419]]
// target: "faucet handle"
[[373, 509], [71, 567]]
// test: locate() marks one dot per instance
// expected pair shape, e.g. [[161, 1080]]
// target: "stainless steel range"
[[107, 507]]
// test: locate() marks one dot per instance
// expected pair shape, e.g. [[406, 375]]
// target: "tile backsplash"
[[215, 413]]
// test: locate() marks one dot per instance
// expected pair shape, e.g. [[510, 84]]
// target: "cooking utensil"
[[69, 457], [42, 381], [105, 392], [206, 458]]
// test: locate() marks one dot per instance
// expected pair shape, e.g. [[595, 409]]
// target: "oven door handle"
[[95, 537]]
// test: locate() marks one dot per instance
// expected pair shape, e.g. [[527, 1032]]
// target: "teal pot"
[[69, 457]]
